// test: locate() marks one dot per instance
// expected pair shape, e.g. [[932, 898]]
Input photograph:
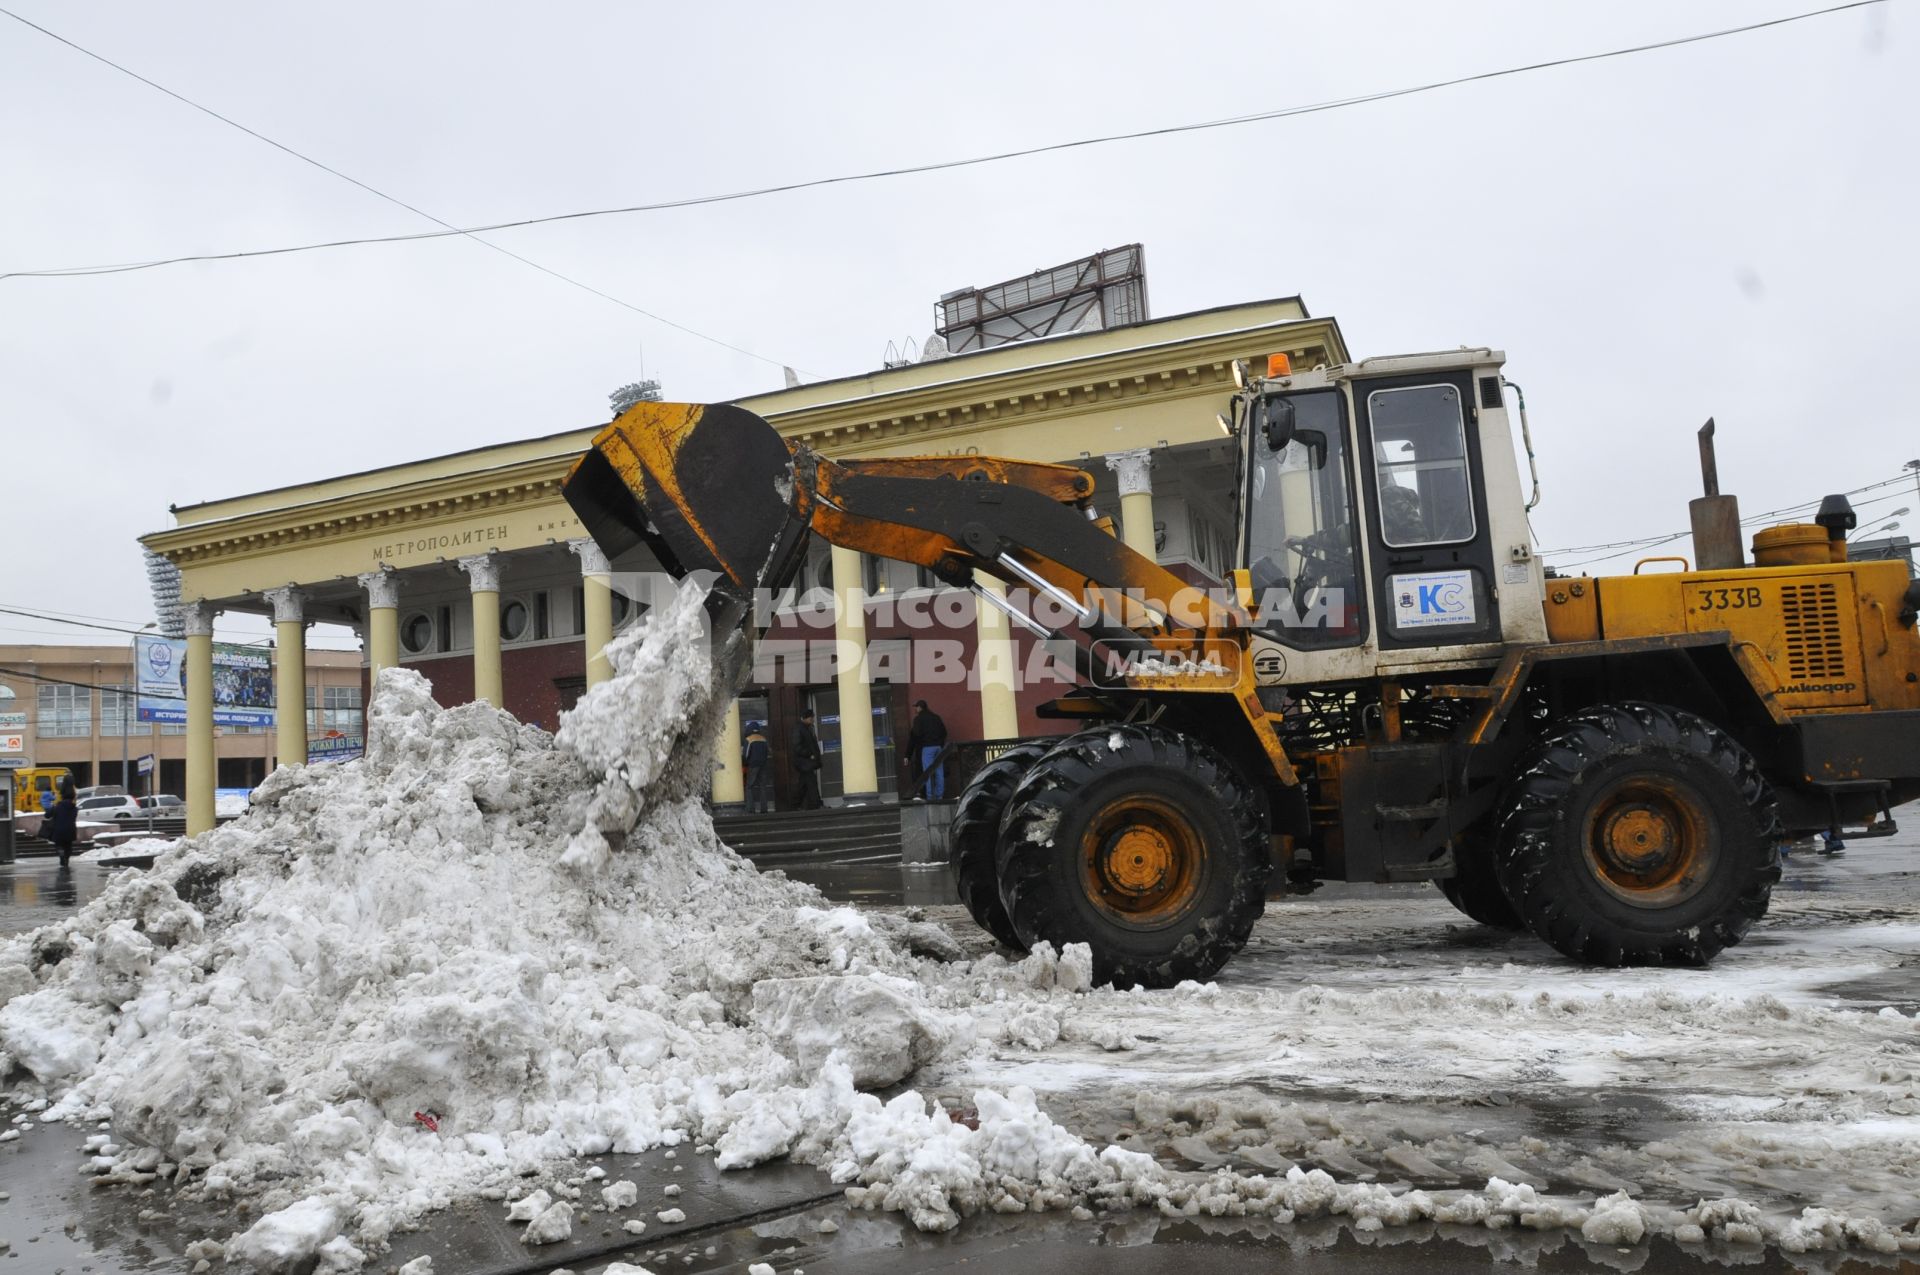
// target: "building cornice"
[[389, 508], [945, 411], [1192, 365]]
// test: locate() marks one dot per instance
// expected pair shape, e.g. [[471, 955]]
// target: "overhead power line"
[[24, 675], [1746, 521], [1654, 542], [48, 617], [78, 624], [381, 194], [1285, 112]]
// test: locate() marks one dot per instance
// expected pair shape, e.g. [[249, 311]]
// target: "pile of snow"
[[480, 952], [536, 942]]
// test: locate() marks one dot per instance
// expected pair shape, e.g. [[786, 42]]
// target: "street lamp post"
[[126, 692]]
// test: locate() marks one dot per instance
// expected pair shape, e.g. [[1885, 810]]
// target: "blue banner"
[[242, 682]]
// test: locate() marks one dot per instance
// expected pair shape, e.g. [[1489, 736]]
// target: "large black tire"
[[1146, 845], [1640, 835], [1474, 888], [974, 839]]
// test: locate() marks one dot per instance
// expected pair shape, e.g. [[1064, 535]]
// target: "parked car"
[[165, 805], [100, 790], [121, 807]]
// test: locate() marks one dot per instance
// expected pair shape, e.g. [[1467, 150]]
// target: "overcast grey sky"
[[1722, 229]]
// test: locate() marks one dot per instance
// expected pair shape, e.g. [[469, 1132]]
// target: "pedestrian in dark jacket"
[[806, 761], [62, 818], [925, 738], [758, 758]]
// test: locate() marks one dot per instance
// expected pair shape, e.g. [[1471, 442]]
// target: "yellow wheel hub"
[[1142, 861], [1138, 860], [1649, 841]]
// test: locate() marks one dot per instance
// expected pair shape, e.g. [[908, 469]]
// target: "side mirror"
[[1273, 416]]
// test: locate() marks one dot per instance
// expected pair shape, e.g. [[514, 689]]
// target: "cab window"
[[1420, 460], [1301, 531]]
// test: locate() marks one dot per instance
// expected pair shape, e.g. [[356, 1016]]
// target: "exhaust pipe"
[[1717, 542]]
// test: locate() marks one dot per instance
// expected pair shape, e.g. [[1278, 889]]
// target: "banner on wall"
[[334, 746], [242, 682]]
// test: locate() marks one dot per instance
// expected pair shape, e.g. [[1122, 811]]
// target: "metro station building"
[[471, 569]]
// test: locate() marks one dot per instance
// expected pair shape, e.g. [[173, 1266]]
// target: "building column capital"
[[197, 618], [1134, 470], [593, 560], [382, 586], [483, 572], [288, 604]]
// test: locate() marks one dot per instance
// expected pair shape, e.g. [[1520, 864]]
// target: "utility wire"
[[1284, 112], [79, 615], [61, 681], [1749, 521], [78, 624], [381, 194], [1682, 535], [149, 631], [1669, 537]]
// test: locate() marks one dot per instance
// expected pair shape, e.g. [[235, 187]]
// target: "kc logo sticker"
[[1433, 599]]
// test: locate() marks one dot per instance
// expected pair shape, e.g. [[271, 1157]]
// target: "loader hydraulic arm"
[[716, 488]]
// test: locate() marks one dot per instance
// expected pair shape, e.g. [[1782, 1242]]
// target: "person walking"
[[62, 818], [758, 757], [925, 738], [806, 761]]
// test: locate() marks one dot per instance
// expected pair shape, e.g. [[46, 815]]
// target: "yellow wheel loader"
[[1393, 688]]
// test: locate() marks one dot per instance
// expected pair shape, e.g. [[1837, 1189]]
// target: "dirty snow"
[[540, 940], [1415, 1057]]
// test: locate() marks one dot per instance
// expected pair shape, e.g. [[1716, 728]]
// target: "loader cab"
[[1382, 521]]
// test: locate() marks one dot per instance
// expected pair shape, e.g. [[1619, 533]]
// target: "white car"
[[98, 808]]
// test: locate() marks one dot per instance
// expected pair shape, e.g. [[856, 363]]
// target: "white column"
[[483, 574], [383, 624], [730, 776], [1134, 470], [201, 765], [596, 583], [994, 660], [289, 674], [858, 775]]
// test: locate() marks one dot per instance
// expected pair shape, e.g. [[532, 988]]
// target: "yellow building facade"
[[472, 568], [74, 706]]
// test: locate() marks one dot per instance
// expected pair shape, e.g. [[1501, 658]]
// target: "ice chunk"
[[287, 1241], [881, 1033], [554, 1224], [1616, 1219], [529, 1207]]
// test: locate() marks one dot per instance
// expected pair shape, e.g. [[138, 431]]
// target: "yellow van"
[[31, 781]]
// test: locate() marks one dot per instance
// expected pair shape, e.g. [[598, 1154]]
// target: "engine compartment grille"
[[1816, 647]]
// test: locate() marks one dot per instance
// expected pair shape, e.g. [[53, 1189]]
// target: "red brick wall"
[[530, 674], [527, 673], [451, 675], [957, 703]]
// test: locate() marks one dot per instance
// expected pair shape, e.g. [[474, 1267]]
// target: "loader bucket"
[[710, 488]]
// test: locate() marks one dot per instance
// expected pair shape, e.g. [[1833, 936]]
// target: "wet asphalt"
[[53, 1222]]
